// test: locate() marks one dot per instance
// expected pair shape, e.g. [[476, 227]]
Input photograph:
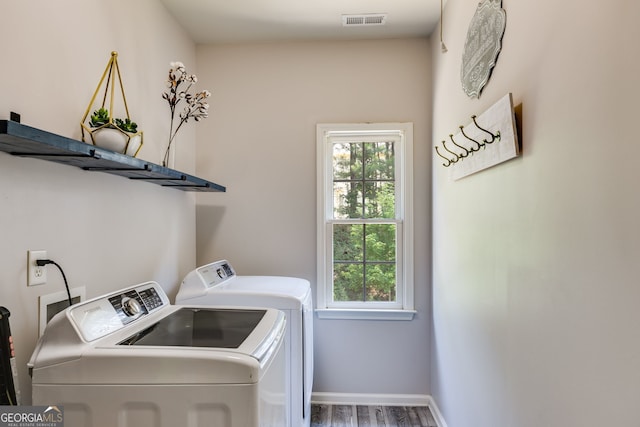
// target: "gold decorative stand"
[[108, 134]]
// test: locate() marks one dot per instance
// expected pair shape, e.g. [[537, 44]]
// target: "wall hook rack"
[[475, 141], [462, 152]]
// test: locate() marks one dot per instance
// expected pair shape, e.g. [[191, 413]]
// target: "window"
[[365, 223]]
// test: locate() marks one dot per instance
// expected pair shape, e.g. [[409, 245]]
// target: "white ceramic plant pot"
[[111, 139], [118, 141], [134, 145]]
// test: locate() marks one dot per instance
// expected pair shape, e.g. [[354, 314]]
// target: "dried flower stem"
[[196, 108]]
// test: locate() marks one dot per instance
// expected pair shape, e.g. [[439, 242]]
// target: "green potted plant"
[[105, 131], [120, 135]]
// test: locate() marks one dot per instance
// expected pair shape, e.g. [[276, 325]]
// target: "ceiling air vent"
[[366, 19]]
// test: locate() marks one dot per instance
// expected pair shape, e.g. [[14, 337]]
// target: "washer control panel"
[[101, 316]]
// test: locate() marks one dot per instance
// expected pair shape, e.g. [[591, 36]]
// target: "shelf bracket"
[[150, 178], [146, 167]]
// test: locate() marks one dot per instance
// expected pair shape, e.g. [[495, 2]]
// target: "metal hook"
[[471, 139], [493, 137], [466, 152], [456, 155], [449, 162]]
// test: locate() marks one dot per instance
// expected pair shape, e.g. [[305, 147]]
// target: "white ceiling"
[[232, 21]]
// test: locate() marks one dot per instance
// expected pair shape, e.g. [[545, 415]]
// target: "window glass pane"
[[368, 193], [380, 201], [381, 242], [379, 160], [348, 242], [364, 258], [381, 282], [348, 282], [347, 200], [347, 161]]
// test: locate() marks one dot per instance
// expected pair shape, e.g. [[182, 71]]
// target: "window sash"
[[335, 137], [399, 271]]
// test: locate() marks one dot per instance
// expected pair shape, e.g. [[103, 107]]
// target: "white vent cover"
[[364, 19]]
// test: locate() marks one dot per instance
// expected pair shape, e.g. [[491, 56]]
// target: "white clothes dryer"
[[217, 283], [130, 358]]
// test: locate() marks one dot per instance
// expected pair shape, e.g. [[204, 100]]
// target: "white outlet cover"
[[32, 279]]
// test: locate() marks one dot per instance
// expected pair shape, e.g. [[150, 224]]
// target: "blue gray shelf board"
[[20, 140]]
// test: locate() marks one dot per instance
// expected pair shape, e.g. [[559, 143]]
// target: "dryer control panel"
[[215, 273], [199, 281], [101, 316]]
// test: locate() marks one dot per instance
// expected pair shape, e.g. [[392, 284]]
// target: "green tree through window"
[[364, 252]]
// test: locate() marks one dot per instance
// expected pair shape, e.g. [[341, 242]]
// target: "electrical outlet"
[[36, 275]]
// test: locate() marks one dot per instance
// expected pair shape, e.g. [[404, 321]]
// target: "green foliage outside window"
[[364, 258]]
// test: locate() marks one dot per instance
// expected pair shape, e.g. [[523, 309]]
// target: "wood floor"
[[323, 415]]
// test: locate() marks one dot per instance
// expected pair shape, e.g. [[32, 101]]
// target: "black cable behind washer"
[[43, 262]]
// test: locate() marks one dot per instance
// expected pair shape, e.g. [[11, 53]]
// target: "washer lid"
[[199, 327], [61, 357], [84, 344]]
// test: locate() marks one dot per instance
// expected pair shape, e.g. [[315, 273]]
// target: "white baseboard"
[[381, 399], [435, 411], [371, 399]]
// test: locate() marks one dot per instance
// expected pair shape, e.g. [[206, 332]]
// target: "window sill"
[[364, 314]]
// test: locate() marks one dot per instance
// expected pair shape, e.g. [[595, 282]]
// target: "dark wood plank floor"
[[324, 415]]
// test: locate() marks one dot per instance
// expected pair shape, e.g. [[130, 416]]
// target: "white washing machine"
[[131, 358], [217, 283]]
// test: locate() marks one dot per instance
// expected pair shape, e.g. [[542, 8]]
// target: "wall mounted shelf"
[[24, 141]]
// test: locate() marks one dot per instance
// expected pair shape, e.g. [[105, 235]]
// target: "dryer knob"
[[131, 307]]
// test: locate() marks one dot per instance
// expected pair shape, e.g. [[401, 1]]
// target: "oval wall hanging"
[[483, 44]]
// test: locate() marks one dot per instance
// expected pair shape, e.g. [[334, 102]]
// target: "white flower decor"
[[179, 83]]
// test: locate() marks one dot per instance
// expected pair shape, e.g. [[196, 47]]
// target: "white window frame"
[[326, 135]]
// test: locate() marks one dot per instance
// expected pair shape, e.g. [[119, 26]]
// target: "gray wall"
[[106, 232], [536, 260], [260, 141]]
